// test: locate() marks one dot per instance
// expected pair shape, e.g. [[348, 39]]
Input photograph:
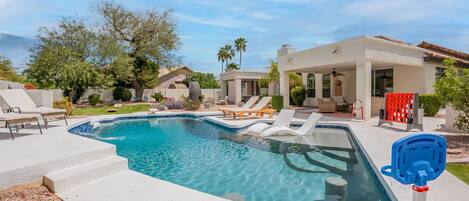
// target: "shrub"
[[122, 94], [277, 103], [94, 99], [64, 103], [175, 104], [430, 103], [127, 96], [190, 104], [298, 95], [453, 89], [157, 96]]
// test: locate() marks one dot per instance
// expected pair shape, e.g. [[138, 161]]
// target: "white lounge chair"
[[306, 129], [258, 108], [284, 118], [19, 101], [251, 101], [15, 119]]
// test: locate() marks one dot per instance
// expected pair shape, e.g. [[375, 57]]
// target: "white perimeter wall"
[[178, 93], [409, 79], [13, 85]]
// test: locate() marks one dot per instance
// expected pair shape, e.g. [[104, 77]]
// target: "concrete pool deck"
[[31, 155]]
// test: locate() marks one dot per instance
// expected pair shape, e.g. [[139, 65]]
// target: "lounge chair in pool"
[[258, 109], [15, 119], [251, 101], [19, 101], [306, 129], [284, 118]]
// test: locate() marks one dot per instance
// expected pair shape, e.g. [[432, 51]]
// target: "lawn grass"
[[125, 109], [459, 170]]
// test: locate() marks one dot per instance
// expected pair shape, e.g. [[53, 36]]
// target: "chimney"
[[284, 50]]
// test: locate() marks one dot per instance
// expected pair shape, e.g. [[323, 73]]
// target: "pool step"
[[71, 177]]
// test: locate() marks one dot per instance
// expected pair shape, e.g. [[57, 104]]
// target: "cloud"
[[261, 15], [227, 22], [402, 10], [290, 1]]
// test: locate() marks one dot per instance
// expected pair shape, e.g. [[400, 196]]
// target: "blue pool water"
[[191, 152]]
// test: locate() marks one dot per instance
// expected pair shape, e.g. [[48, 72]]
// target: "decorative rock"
[[336, 186], [194, 91]]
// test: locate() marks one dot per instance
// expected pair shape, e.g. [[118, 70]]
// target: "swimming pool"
[[191, 152]]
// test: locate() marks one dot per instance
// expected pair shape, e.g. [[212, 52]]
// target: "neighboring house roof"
[[436, 53], [168, 73]]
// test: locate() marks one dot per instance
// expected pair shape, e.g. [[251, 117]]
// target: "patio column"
[[237, 85], [284, 89], [363, 82], [224, 89]]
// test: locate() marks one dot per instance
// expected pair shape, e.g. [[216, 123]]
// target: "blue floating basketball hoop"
[[417, 159]]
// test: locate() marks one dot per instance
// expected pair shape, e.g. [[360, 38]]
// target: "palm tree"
[[221, 57], [229, 53], [240, 45]]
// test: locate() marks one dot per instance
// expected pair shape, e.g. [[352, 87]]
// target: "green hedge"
[[298, 95], [121, 93], [277, 103], [430, 103]]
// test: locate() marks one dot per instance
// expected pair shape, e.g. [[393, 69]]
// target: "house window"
[[310, 86], [326, 86], [382, 82], [439, 72]]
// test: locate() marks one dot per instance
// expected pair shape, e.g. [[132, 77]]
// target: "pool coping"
[[210, 117]]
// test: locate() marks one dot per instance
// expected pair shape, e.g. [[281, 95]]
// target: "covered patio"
[[361, 70], [239, 86]]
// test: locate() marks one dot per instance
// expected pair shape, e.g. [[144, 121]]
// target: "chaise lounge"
[[283, 119], [14, 119], [258, 109], [246, 105], [19, 101], [306, 129]]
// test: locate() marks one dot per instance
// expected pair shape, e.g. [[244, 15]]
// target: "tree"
[[240, 45], [148, 38], [62, 59], [454, 89], [206, 80], [232, 66], [229, 53], [294, 80], [273, 76], [7, 72], [221, 57]]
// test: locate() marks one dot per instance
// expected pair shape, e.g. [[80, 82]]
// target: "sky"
[[206, 25]]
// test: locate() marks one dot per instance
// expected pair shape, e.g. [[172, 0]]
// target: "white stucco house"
[[370, 67]]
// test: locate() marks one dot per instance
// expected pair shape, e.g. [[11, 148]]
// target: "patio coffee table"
[[344, 107]]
